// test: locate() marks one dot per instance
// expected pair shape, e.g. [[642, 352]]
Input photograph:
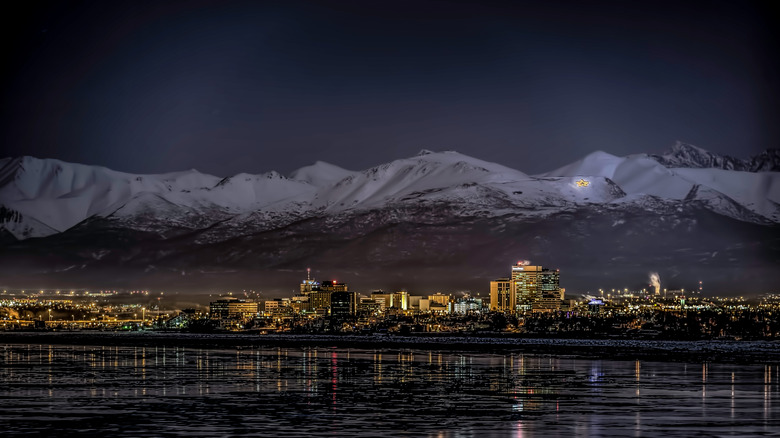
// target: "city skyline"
[[513, 291]]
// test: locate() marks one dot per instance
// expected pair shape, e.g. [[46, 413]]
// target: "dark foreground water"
[[166, 391]]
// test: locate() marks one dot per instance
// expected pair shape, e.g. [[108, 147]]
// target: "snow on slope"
[[635, 174], [245, 192], [43, 197], [759, 192], [425, 173], [321, 174], [52, 196], [640, 175]]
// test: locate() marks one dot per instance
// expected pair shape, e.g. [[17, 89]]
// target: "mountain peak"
[[424, 152], [682, 148], [684, 155]]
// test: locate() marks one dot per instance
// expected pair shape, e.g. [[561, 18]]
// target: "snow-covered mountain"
[[687, 155], [41, 197], [747, 196], [433, 209]]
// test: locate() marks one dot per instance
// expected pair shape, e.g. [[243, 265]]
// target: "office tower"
[[319, 300], [550, 291], [343, 303], [535, 287], [401, 300], [309, 285], [502, 295]]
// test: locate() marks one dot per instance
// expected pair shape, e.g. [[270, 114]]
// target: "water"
[[356, 392]]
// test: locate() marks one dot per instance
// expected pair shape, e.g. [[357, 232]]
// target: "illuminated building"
[[333, 286], [502, 295], [385, 300], [343, 303], [467, 304], [595, 305], [368, 306], [438, 303], [550, 291], [270, 305], [529, 288], [436, 307], [440, 298], [300, 303], [401, 300], [320, 294], [309, 285], [319, 300], [232, 309], [525, 283]]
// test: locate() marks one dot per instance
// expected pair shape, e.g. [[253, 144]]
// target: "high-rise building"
[[528, 288], [502, 295], [318, 294], [550, 291], [401, 300], [309, 285], [526, 284], [319, 300], [343, 303], [384, 299]]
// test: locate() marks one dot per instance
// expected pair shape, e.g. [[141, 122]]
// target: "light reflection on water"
[[357, 392]]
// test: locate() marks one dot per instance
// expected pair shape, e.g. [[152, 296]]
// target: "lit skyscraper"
[[502, 295], [309, 285], [525, 284], [535, 287], [550, 290]]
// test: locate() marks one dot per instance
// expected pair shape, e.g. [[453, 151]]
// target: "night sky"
[[227, 87]]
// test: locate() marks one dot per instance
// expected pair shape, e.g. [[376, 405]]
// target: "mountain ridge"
[[686, 155], [43, 196], [433, 212]]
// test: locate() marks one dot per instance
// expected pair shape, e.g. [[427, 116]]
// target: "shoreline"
[[766, 352]]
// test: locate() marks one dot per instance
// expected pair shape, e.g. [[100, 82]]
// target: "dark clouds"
[[253, 86]]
